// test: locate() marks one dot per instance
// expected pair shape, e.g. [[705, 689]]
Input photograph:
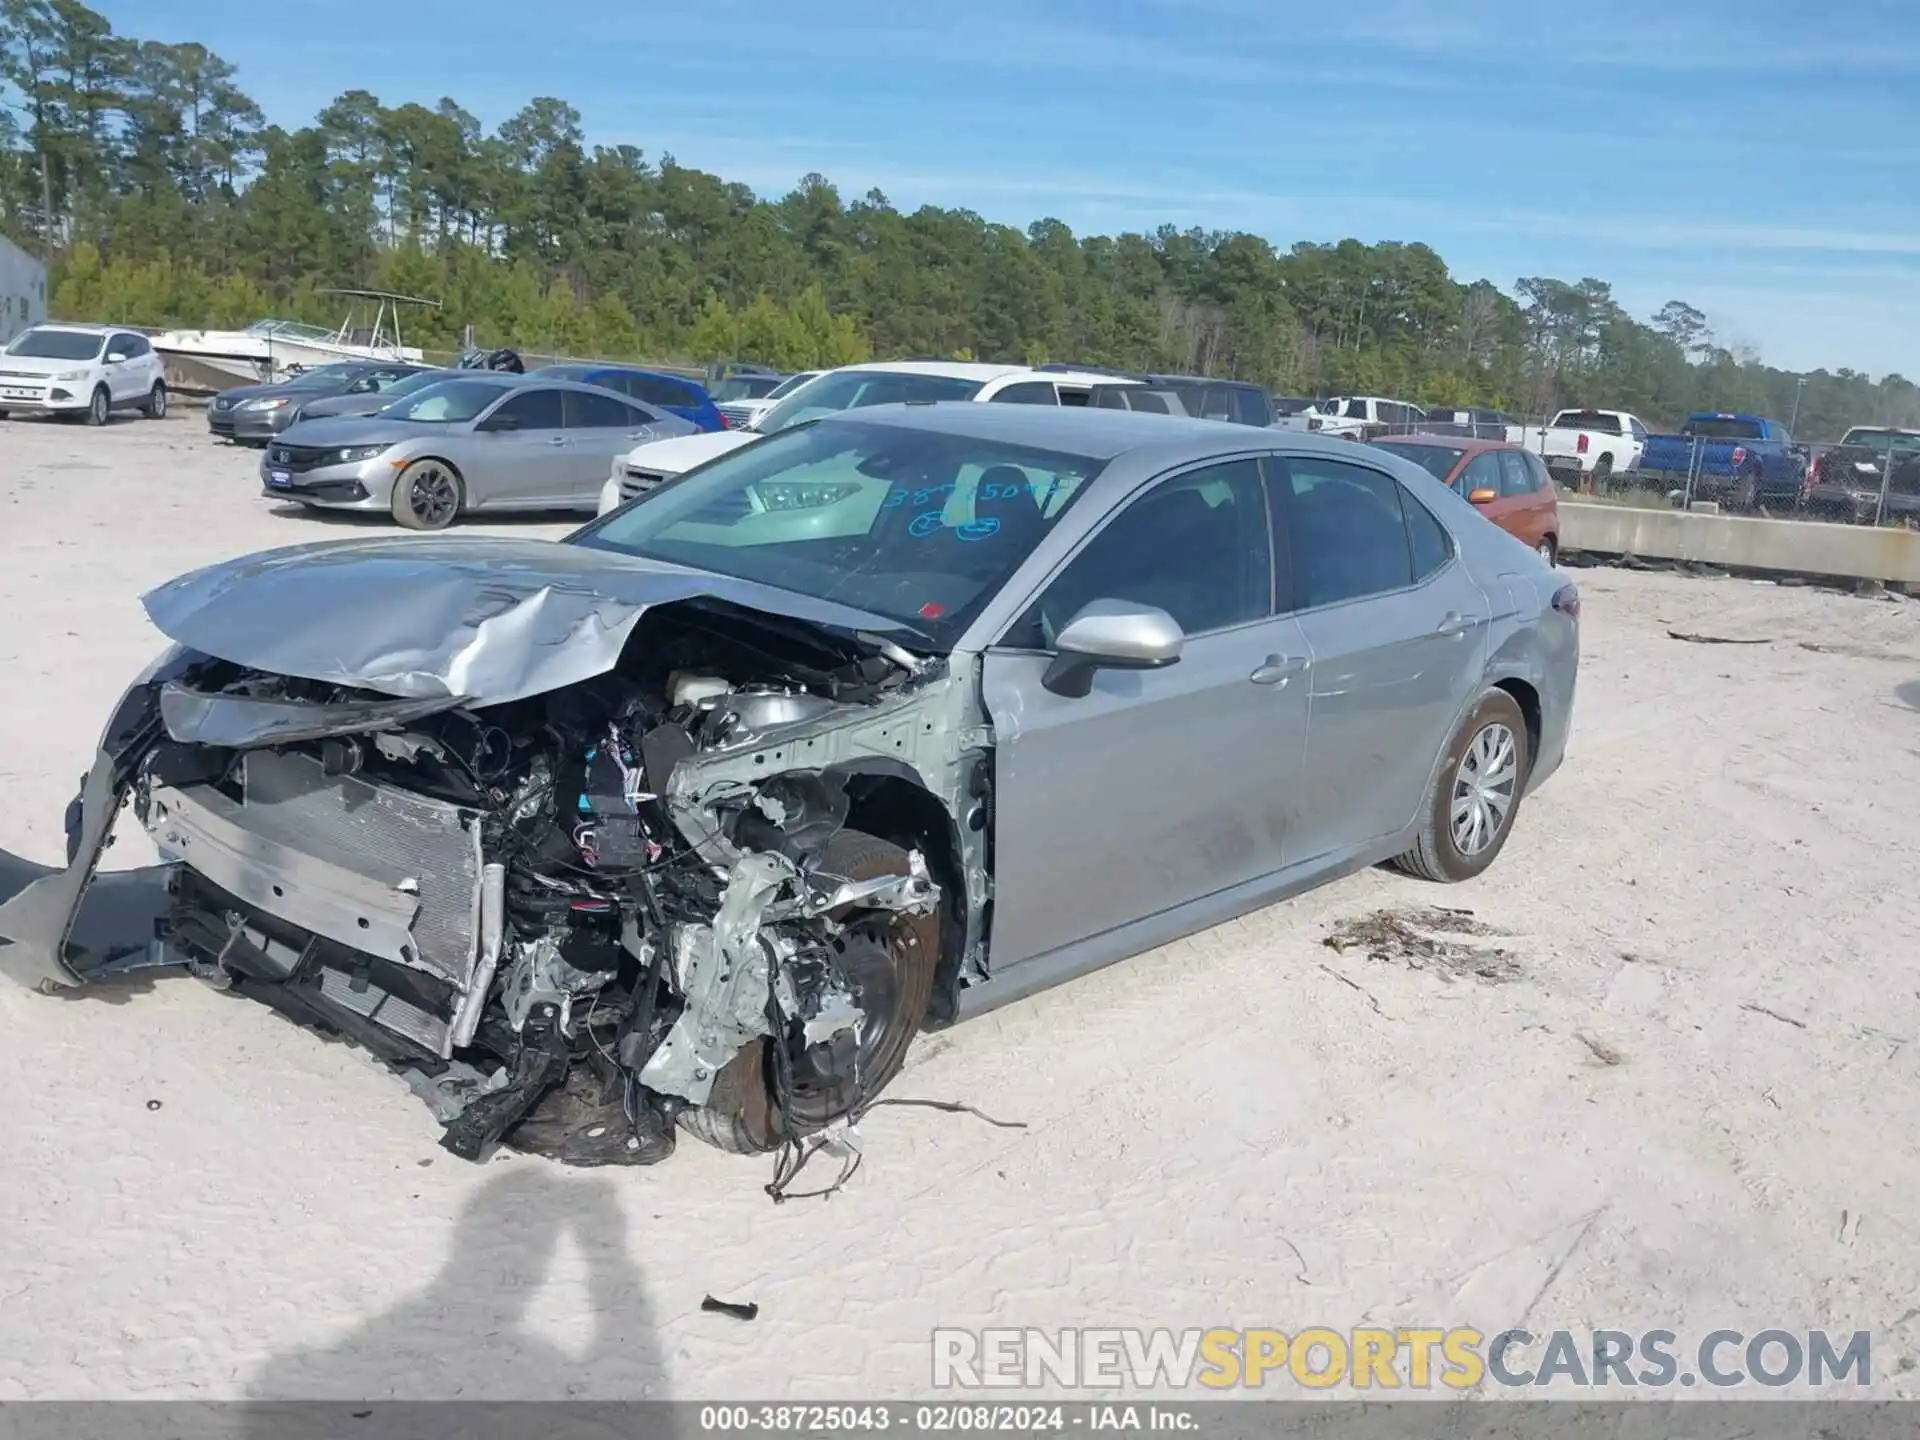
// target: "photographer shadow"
[[467, 1338]]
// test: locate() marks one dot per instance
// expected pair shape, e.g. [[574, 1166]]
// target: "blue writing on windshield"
[[978, 529], [923, 525]]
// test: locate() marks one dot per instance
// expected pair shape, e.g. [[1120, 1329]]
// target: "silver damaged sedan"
[[689, 823], [469, 442]]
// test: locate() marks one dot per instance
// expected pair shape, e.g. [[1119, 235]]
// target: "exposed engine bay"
[[715, 888]]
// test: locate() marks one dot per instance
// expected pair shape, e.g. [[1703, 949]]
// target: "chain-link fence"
[[1871, 476]]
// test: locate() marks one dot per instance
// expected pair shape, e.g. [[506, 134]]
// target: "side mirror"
[[116, 357], [1111, 635], [1483, 496], [500, 422]]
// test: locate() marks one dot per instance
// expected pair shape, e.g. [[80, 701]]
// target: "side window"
[[655, 390], [1254, 408], [1482, 473], [1216, 402], [137, 346], [1432, 546], [1639, 430], [122, 345], [587, 411], [1027, 392], [1515, 477], [1349, 535], [1542, 478], [382, 379], [1195, 545], [532, 409]]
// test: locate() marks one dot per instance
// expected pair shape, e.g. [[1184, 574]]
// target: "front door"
[[526, 457], [1397, 631], [1158, 787]]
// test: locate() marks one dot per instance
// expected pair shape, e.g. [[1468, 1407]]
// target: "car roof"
[[977, 370], [83, 327], [1472, 444], [1095, 433]]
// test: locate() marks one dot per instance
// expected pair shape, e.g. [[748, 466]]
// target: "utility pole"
[[1793, 425]]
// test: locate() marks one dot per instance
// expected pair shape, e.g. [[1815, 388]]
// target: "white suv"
[[851, 387], [89, 370]]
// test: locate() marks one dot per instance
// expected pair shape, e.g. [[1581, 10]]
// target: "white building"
[[23, 290]]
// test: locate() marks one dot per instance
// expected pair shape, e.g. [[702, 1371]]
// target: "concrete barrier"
[[1787, 547]]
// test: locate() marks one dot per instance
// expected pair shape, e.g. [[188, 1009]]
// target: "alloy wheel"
[[434, 496], [1484, 788]]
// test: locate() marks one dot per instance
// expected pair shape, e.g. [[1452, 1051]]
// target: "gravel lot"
[[1683, 1098]]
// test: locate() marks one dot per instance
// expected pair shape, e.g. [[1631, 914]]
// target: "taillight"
[[1581, 445], [1567, 601], [1739, 454]]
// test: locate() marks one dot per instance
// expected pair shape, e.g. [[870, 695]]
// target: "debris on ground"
[[737, 1309], [1776, 1015], [1430, 937], [1601, 1051], [1693, 639]]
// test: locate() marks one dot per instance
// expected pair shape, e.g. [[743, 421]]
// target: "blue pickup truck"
[[1746, 461]]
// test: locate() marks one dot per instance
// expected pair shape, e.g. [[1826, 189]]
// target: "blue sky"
[[1759, 159]]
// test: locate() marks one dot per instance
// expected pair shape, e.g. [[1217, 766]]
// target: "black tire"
[[1749, 497], [156, 406], [1602, 474], [428, 495], [741, 1115], [1436, 854], [1548, 549], [99, 406]]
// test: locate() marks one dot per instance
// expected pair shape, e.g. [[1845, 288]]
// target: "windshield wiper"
[[908, 661]]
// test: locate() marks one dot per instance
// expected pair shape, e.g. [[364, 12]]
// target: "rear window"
[[1904, 441], [1722, 428], [1587, 420], [1437, 460]]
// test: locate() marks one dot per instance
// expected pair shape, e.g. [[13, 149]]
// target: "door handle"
[[1454, 623], [1276, 668], [556, 440]]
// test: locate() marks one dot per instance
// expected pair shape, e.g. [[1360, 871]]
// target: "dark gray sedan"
[[254, 414], [695, 819], [372, 402]]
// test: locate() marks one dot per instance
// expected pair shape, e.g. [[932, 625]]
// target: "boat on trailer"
[[204, 361]]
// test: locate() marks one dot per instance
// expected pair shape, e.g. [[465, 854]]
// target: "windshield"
[[919, 528], [415, 382], [322, 375], [564, 372], [446, 402], [1437, 460], [792, 383], [58, 344], [839, 390], [743, 387]]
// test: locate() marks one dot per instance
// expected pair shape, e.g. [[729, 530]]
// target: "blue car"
[[686, 398]]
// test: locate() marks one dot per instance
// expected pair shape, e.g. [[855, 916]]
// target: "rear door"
[[601, 428], [523, 452], [1397, 632], [126, 376], [1158, 787]]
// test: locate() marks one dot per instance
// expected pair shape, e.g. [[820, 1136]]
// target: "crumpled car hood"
[[487, 619]]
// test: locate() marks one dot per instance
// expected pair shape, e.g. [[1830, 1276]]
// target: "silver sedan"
[[471, 442], [691, 822]]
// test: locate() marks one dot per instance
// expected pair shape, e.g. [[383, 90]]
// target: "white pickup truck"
[[1585, 445]]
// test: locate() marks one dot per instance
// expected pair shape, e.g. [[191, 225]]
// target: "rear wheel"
[[1548, 548], [156, 406], [888, 960], [1602, 473], [1749, 496], [427, 495], [1476, 793]]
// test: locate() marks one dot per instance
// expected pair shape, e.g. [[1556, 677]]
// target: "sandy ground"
[[1689, 1105]]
